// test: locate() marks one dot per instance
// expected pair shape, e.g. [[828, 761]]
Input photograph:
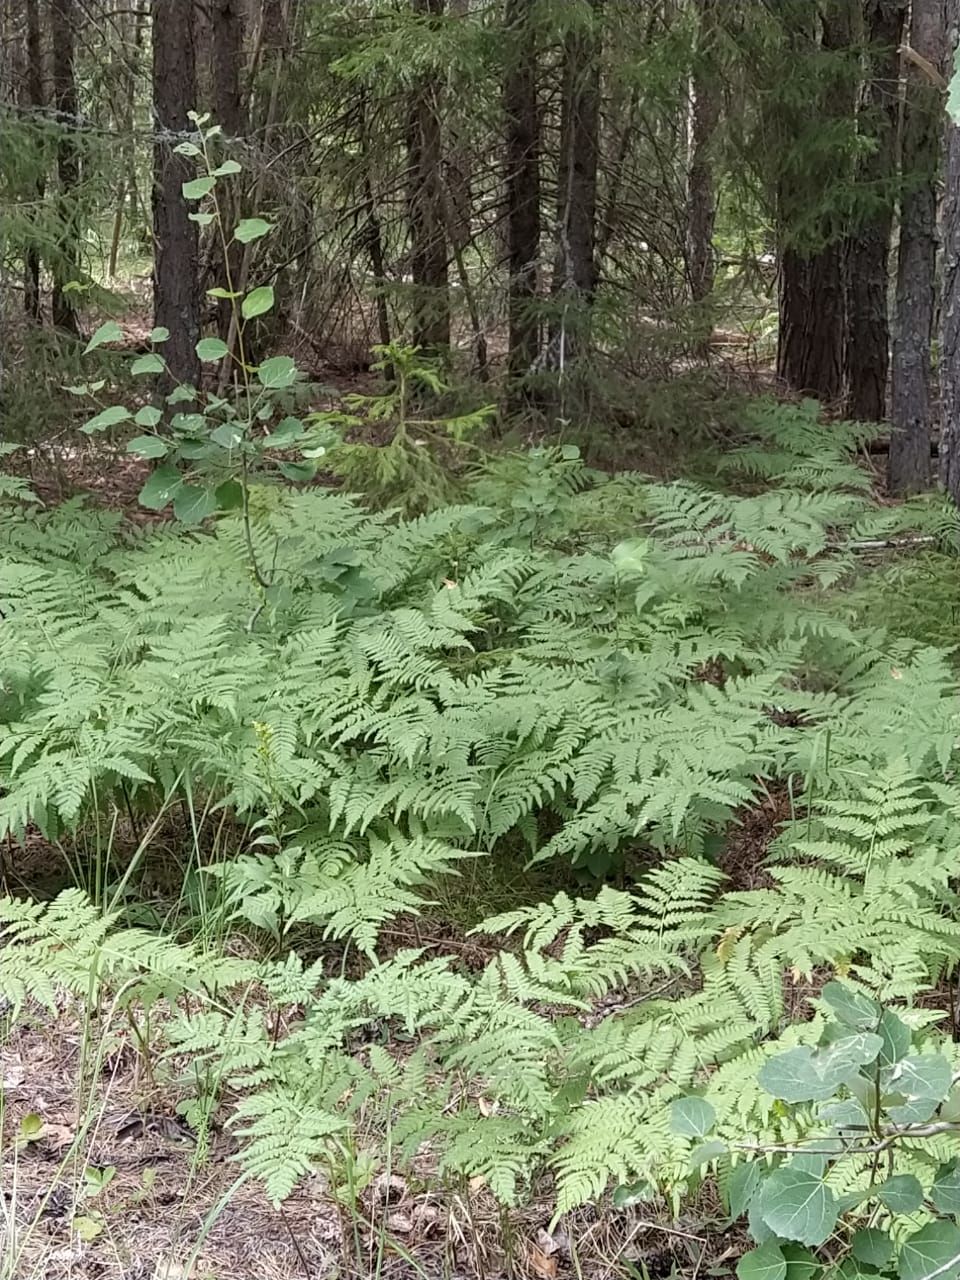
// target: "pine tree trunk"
[[868, 250], [701, 197], [909, 461], [810, 341], [428, 239], [34, 99], [575, 269], [811, 286], [63, 16], [950, 302], [522, 122], [176, 291]]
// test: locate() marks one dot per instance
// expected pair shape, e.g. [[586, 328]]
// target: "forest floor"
[[106, 1180]]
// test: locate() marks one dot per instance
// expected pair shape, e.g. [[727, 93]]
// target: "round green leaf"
[[150, 363], [159, 334], [191, 503], [934, 1248], [801, 1263], [901, 1194], [258, 302], [202, 219], [287, 431], [925, 1075], [945, 1192], [852, 1006], [161, 487], [228, 167], [692, 1117], [197, 188], [109, 332], [277, 373], [793, 1077], [228, 435], [107, 418], [148, 416], [148, 447], [896, 1038], [212, 349], [187, 149], [872, 1246], [251, 229], [229, 495], [763, 1263], [303, 473], [742, 1187], [798, 1206]]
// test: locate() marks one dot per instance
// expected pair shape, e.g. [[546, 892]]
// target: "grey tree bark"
[[522, 124], [176, 288], [868, 249], [909, 469], [428, 239], [63, 15], [950, 302], [575, 271]]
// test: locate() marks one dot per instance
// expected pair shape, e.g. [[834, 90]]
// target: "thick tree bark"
[[176, 291], [63, 14], [950, 302], [810, 341], [811, 289], [34, 98], [909, 459], [522, 140], [701, 197], [575, 270], [868, 250], [428, 239]]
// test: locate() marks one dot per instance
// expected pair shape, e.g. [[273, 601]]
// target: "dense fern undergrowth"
[[567, 668]]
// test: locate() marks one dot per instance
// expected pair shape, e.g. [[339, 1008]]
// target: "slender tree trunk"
[[701, 196], [909, 461], [575, 269], [373, 232], [868, 250], [35, 100], [176, 292], [522, 122], [63, 15], [811, 285], [428, 240], [228, 112], [950, 303]]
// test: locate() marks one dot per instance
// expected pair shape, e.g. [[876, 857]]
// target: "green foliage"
[[408, 693]]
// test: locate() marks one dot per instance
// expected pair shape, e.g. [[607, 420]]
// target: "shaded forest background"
[[595, 206]]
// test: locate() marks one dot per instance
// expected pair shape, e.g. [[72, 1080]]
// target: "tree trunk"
[[66, 263], [701, 197], [868, 250], [176, 292], [950, 303], [909, 461], [228, 112], [575, 269], [428, 240], [522, 179], [35, 100], [810, 341], [811, 289]]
